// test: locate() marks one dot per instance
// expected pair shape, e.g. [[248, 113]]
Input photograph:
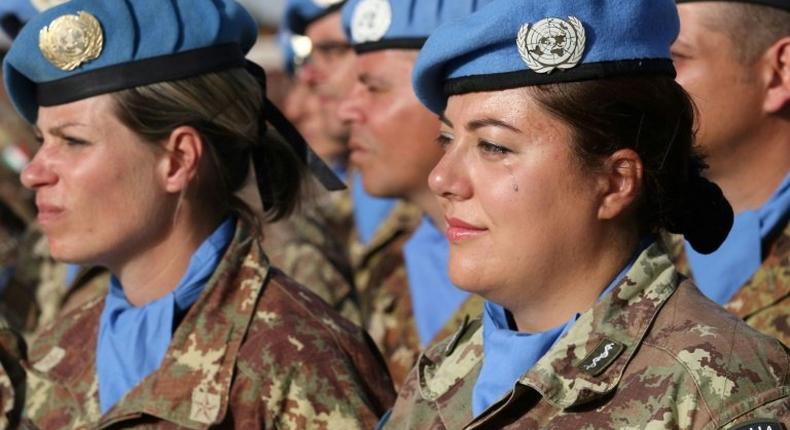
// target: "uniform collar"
[[203, 364], [769, 285], [620, 321], [403, 219]]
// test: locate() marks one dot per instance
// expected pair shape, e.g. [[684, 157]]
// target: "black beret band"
[[141, 72], [415, 43], [779, 4], [301, 26], [582, 72]]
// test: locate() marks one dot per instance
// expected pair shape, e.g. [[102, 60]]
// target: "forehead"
[[387, 62], [507, 105], [89, 111]]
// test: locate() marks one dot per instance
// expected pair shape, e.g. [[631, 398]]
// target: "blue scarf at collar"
[[133, 341], [509, 354], [369, 211], [721, 274]]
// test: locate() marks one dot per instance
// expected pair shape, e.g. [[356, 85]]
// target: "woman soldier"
[[148, 121], [568, 146]]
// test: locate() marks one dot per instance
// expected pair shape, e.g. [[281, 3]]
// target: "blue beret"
[[399, 24], [517, 43], [13, 15], [21, 9], [85, 48], [295, 48], [299, 14], [779, 4]]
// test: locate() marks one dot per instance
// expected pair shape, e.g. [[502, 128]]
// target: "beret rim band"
[[301, 27], [140, 72], [582, 72], [415, 43], [779, 4]]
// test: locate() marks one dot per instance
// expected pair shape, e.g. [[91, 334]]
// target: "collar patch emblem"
[[71, 40], [371, 20], [761, 425], [551, 43], [601, 357]]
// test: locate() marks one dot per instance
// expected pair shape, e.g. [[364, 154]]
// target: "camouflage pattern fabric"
[[384, 290], [310, 247], [37, 293], [12, 375], [256, 350], [654, 354], [764, 301]]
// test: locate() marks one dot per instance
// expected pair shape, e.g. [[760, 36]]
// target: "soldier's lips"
[[357, 152], [47, 214], [459, 230]]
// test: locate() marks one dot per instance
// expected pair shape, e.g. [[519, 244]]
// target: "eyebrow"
[[58, 131], [490, 122], [481, 123]]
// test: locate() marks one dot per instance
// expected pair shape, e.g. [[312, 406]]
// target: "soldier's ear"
[[181, 159], [620, 183], [777, 66]]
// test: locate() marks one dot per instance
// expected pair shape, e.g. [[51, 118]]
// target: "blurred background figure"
[[733, 57], [29, 279], [393, 151], [312, 245]]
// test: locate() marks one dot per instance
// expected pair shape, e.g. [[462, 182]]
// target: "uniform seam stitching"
[[693, 378]]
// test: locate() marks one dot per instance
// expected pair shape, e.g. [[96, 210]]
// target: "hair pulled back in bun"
[[654, 116]]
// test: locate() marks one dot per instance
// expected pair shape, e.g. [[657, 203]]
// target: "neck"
[[156, 269], [427, 201], [750, 172], [576, 288]]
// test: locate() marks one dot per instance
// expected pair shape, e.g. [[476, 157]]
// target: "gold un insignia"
[[71, 40], [551, 43]]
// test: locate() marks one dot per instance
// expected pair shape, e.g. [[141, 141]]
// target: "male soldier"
[[377, 227], [311, 246], [391, 136], [733, 57]]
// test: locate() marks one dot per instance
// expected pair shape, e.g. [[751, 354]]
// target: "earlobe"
[[622, 183], [778, 60], [183, 152]]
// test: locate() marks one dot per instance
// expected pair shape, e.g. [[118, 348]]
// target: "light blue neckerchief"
[[72, 270], [133, 341], [508, 354], [369, 211], [340, 168], [721, 274], [434, 298]]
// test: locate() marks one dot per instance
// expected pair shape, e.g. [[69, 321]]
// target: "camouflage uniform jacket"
[[653, 354], [385, 297], [311, 247], [256, 350], [37, 293], [764, 301]]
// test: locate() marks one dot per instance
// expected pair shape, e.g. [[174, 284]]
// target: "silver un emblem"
[[371, 20], [551, 43]]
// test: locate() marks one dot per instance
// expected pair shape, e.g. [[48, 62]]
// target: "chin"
[[65, 253]]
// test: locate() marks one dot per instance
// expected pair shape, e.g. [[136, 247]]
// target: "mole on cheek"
[[512, 176]]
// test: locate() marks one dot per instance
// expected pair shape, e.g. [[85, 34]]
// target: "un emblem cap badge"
[[371, 20], [551, 43], [69, 41]]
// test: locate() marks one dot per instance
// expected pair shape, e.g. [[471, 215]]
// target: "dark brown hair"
[[226, 109], [653, 116]]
